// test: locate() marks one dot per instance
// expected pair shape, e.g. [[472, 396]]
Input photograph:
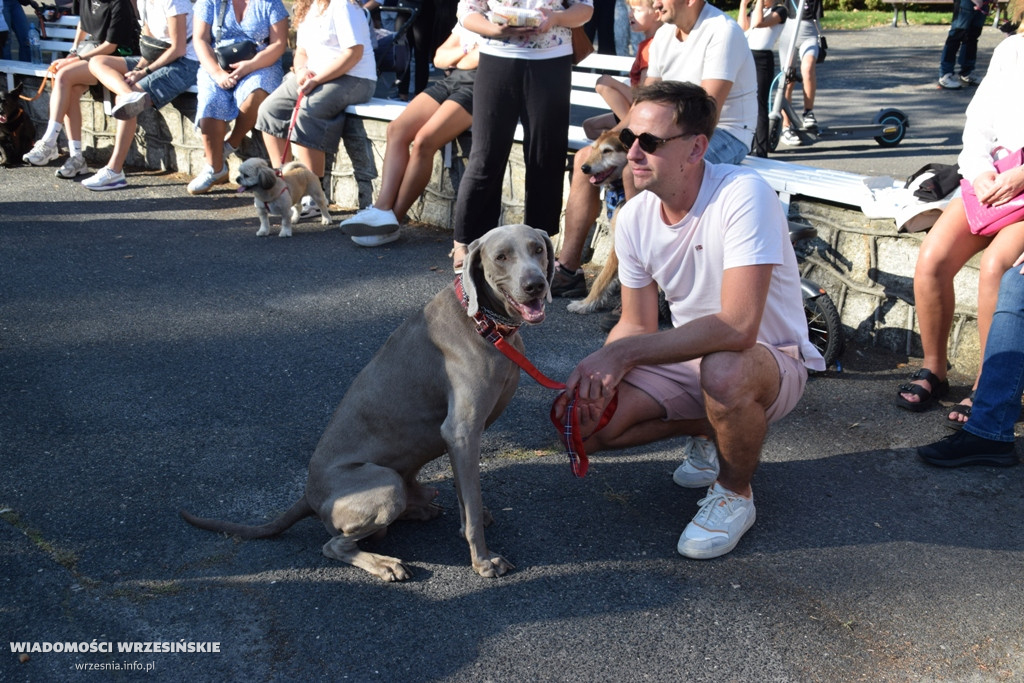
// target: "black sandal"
[[928, 398], [959, 409]]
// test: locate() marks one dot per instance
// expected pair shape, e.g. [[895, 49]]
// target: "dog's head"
[[509, 271], [10, 105], [255, 173], [605, 159]]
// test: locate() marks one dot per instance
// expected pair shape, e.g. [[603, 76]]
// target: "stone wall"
[[865, 265]]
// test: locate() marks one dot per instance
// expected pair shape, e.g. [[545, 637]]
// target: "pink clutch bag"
[[988, 220]]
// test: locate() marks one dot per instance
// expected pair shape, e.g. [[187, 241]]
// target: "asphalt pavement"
[[155, 354]]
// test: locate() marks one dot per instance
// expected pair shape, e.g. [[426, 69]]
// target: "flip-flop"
[[927, 398], [959, 409]]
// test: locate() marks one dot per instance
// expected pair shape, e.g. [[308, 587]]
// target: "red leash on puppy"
[[569, 429], [288, 137]]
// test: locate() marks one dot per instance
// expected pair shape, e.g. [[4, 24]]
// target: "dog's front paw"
[[285, 232], [325, 219], [582, 306], [262, 232], [492, 566]]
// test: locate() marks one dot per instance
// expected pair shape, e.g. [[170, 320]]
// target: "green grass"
[[852, 20]]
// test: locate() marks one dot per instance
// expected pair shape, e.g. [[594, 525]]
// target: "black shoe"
[[964, 448], [567, 283]]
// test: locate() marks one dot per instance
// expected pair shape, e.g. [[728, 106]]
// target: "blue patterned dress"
[[213, 101]]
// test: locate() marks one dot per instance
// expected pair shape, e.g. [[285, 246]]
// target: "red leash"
[[569, 429], [291, 127]]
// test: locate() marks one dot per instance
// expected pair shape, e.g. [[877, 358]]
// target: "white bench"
[[60, 35]]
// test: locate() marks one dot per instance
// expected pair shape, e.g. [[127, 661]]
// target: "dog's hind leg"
[[367, 499]]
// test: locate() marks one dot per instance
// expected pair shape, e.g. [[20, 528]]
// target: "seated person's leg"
[[581, 210], [448, 122], [988, 436]]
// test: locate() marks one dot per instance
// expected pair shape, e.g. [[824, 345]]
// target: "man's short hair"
[[695, 110]]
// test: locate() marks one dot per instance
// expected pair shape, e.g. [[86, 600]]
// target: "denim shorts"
[[167, 82], [725, 148]]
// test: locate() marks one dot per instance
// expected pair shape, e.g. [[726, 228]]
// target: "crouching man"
[[715, 239]]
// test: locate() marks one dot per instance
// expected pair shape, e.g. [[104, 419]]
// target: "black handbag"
[[152, 48], [230, 53]]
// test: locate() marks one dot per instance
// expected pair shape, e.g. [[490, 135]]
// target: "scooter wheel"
[[774, 134], [896, 124], [824, 327]]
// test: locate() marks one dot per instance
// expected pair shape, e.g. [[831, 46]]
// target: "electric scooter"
[[888, 128]]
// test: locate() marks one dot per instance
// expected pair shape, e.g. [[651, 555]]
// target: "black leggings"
[[507, 91], [764, 63]]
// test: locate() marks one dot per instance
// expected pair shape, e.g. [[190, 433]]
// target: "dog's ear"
[[267, 177], [17, 90], [551, 258], [471, 270]]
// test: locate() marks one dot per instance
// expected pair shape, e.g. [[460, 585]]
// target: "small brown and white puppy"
[[432, 389], [281, 195], [606, 161]]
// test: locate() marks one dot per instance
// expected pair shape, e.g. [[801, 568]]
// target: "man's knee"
[[730, 379]]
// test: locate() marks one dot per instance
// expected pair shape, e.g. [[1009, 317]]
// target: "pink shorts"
[[676, 387]]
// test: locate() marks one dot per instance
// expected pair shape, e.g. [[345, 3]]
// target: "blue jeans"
[[997, 400], [17, 22], [963, 38], [724, 148]]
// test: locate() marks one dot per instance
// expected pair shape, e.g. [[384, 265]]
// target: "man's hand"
[[594, 381]]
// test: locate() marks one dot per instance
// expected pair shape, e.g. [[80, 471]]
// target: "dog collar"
[[487, 322]]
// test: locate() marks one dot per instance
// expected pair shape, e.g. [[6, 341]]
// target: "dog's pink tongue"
[[241, 189], [532, 312]]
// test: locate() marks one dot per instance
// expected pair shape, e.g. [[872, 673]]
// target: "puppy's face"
[[509, 271], [255, 174], [606, 159]]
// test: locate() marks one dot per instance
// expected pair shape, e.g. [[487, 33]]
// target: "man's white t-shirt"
[[324, 35], [735, 221], [714, 49]]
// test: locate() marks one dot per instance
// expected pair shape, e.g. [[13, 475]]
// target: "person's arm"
[[632, 342], [176, 28], [718, 89], [340, 66], [277, 42], [743, 18]]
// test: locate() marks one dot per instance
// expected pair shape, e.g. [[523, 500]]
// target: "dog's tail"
[[297, 512], [292, 165]]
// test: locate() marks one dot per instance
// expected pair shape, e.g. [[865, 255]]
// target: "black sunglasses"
[[648, 143]]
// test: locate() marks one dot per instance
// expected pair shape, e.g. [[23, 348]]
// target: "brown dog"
[[604, 165], [432, 388], [281, 195]]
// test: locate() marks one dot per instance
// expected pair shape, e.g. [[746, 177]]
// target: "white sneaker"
[[229, 149], [375, 240], [309, 208], [718, 526], [128, 106], [370, 221], [105, 179], [700, 468], [791, 138], [41, 153], [950, 82], [73, 167], [809, 120], [206, 179], [969, 79]]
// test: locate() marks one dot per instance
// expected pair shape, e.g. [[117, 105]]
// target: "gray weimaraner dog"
[[452, 383]]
